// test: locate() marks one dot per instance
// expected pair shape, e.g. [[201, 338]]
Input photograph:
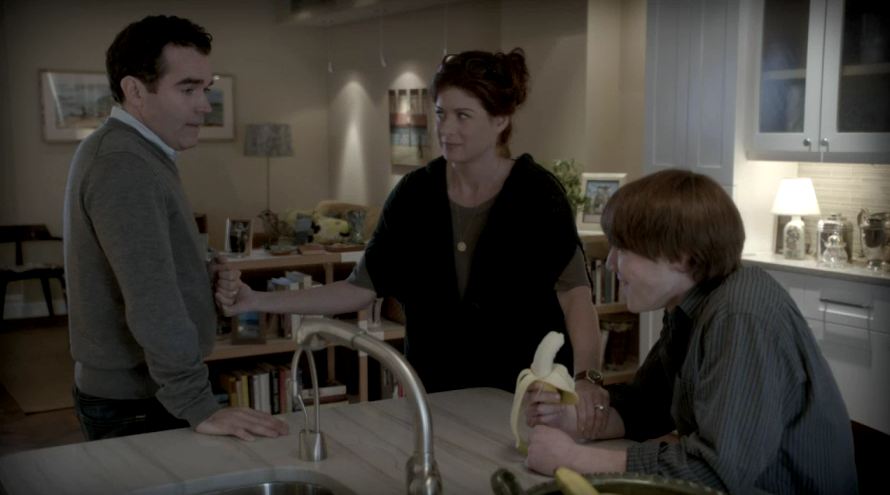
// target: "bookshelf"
[[260, 261], [226, 350], [621, 353]]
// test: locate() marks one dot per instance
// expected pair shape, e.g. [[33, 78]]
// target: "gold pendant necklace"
[[466, 217]]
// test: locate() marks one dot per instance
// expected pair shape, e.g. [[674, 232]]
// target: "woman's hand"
[[593, 409], [232, 295]]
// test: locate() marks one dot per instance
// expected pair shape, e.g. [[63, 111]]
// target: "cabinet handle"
[[824, 141], [844, 303], [807, 142]]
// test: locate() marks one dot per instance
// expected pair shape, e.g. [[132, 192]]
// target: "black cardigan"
[[489, 336]]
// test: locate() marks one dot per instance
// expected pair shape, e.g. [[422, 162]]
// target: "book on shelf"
[[264, 388], [605, 283], [271, 402], [242, 388], [330, 390], [227, 383], [286, 400], [328, 394]]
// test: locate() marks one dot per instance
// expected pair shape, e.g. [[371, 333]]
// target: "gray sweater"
[[141, 313]]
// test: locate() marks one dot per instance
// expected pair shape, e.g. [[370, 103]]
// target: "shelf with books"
[[620, 328], [248, 367], [224, 349]]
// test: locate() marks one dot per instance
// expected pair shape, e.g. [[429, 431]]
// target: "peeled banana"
[[552, 376], [572, 483]]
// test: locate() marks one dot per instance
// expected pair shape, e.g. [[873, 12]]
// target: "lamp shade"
[[796, 197], [268, 140]]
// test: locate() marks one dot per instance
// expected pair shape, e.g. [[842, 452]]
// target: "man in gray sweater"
[[141, 311]]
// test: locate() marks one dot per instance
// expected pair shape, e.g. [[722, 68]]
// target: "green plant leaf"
[[569, 175]]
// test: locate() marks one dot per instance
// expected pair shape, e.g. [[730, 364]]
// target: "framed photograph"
[[239, 236], [73, 104], [247, 329], [219, 124], [409, 117], [598, 188]]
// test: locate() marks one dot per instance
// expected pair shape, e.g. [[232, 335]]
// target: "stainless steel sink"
[[276, 488], [288, 480]]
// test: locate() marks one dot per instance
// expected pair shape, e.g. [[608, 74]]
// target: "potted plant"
[[569, 175]]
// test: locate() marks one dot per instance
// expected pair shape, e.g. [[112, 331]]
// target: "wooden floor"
[[20, 431]]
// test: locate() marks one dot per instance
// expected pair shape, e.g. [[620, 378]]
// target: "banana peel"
[[572, 483], [552, 377]]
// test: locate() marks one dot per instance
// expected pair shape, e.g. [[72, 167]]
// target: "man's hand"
[[242, 422], [232, 295], [550, 448], [544, 408], [593, 409]]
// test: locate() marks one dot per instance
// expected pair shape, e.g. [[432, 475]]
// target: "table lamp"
[[796, 197], [268, 140]]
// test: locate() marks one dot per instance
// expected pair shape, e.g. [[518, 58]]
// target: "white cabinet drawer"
[[851, 323], [860, 305], [860, 363]]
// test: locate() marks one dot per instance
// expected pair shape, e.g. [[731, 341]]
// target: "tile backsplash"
[[847, 188]]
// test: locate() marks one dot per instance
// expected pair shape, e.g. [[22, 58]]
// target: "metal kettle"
[[874, 229]]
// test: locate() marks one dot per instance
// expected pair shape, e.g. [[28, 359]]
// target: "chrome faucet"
[[315, 333]]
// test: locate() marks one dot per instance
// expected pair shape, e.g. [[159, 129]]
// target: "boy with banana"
[[735, 394]]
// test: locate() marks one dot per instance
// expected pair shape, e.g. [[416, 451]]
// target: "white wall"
[[413, 43], [551, 124], [616, 86], [558, 120]]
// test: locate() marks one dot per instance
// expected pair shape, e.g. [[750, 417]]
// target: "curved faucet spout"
[[422, 472], [312, 446]]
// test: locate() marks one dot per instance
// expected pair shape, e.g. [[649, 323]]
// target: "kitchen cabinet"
[[851, 323], [691, 75], [823, 91]]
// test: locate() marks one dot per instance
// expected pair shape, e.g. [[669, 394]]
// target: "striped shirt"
[[737, 373]]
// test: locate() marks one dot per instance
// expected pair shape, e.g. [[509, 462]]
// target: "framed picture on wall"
[[239, 236], [73, 104], [409, 120], [219, 124], [598, 188]]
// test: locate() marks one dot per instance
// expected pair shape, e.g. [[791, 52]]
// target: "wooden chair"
[[20, 234]]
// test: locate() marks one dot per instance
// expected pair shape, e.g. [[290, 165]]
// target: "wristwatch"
[[591, 375]]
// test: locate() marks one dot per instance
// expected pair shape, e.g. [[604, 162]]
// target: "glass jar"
[[835, 253]]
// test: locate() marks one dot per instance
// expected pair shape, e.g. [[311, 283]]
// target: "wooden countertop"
[[368, 447]]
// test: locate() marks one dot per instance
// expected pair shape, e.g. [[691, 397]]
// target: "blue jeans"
[[107, 418]]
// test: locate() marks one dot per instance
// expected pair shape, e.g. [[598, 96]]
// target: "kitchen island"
[[368, 446]]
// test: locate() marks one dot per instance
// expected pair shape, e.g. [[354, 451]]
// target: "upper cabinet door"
[[667, 84], [856, 80], [790, 82], [691, 67], [823, 91]]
